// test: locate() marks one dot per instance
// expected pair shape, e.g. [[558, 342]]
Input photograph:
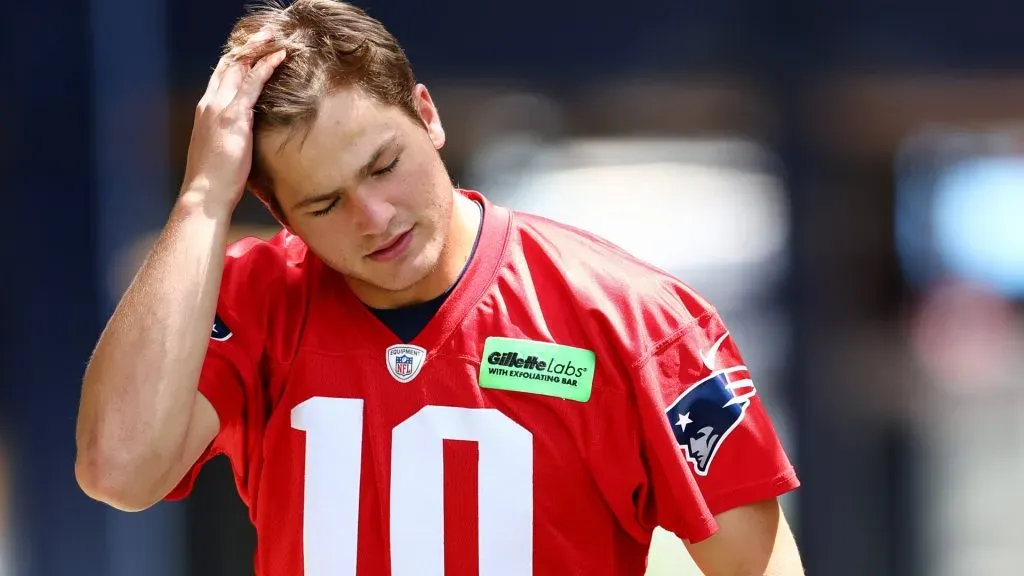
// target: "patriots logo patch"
[[704, 415]]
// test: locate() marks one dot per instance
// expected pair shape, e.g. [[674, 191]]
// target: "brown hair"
[[330, 45]]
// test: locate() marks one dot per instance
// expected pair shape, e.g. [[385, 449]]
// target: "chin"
[[415, 270]]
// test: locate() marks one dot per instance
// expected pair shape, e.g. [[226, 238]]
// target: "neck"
[[462, 231]]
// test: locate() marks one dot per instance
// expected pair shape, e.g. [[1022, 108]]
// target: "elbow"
[[113, 483]]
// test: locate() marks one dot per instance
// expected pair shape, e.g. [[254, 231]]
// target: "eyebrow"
[[363, 172]]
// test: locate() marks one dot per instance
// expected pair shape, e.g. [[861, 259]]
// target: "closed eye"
[[387, 168], [326, 209]]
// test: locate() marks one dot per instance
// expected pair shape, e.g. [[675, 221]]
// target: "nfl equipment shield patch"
[[404, 361]]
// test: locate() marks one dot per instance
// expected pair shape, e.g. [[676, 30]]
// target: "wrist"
[[193, 201]]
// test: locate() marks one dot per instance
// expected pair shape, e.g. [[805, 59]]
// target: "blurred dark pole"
[[130, 154], [7, 305], [853, 481], [51, 321], [790, 64], [791, 72]]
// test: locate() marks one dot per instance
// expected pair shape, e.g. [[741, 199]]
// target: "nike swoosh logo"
[[711, 358]]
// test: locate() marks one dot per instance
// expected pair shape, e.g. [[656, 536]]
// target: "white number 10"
[[334, 441]]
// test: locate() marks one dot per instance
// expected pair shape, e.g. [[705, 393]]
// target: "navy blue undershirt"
[[409, 321]]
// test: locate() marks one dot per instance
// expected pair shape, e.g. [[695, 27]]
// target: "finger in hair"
[[257, 77]]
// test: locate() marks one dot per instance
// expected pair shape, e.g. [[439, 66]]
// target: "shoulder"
[[265, 258], [611, 290], [264, 285], [252, 263]]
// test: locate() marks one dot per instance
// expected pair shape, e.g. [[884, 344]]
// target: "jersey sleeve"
[[707, 441], [231, 377]]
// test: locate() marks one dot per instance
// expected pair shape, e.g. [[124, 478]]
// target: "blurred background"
[[844, 180]]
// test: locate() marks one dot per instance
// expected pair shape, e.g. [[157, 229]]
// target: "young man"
[[409, 379]]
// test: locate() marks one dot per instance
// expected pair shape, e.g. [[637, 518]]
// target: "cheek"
[[412, 191], [326, 236]]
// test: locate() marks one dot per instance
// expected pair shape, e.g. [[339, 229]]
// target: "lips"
[[390, 244], [392, 248]]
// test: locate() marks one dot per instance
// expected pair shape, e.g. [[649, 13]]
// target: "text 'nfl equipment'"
[[405, 361]]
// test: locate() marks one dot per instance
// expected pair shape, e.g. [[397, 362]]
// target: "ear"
[[428, 114]]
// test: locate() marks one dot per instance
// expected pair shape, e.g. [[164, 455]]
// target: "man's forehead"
[[343, 145], [352, 116], [345, 119]]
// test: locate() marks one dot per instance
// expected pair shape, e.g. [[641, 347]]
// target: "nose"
[[371, 215]]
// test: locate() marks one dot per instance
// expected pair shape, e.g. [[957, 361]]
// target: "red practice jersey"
[[565, 400]]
